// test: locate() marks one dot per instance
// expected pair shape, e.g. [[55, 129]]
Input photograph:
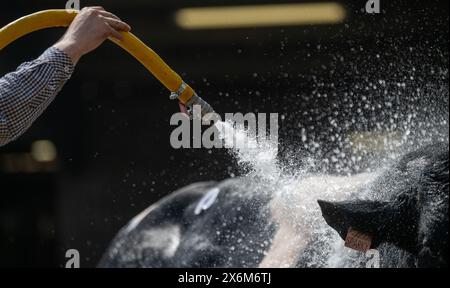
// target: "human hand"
[[90, 28]]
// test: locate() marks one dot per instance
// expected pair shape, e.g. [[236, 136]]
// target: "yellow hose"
[[130, 43]]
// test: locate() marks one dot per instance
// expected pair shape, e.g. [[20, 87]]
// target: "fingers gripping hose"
[[130, 43]]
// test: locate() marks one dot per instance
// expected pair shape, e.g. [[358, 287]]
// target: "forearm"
[[27, 92]]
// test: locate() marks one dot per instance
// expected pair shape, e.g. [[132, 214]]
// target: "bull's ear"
[[363, 216]]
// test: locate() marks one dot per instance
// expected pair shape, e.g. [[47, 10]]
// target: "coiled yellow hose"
[[130, 43]]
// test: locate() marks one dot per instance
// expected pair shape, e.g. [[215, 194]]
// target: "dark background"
[[110, 123]]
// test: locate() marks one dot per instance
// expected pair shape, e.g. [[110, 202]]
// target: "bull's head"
[[394, 222]]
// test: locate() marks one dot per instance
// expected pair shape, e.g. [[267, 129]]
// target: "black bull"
[[230, 224]]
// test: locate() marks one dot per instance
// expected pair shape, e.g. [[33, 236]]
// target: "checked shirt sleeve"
[[27, 92]]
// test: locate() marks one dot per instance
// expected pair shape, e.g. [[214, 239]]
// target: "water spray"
[[145, 55]]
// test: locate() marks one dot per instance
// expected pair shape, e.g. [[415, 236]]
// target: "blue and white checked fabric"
[[27, 92]]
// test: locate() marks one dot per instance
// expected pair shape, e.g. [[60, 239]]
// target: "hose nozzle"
[[187, 103], [196, 100]]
